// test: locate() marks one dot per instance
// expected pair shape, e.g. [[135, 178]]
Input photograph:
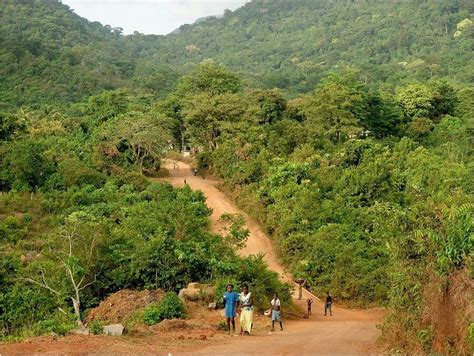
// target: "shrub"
[[151, 315], [96, 327], [53, 325], [169, 307]]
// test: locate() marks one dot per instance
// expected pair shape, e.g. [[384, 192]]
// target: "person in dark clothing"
[[309, 302], [328, 304]]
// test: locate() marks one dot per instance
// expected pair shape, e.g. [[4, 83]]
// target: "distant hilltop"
[[199, 20]]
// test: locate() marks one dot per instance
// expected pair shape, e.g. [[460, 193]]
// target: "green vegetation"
[[170, 307], [79, 221], [49, 55], [366, 193], [96, 327], [345, 129]]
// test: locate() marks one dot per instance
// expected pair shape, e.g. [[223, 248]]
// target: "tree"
[[271, 104], [236, 232], [71, 264], [416, 101], [10, 125], [382, 117], [207, 116], [334, 110], [107, 105], [445, 100], [147, 135], [209, 77]]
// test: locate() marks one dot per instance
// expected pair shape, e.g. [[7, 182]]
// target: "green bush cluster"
[[96, 327], [54, 326], [170, 307]]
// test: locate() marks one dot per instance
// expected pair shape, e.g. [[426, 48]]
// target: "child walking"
[[276, 312]]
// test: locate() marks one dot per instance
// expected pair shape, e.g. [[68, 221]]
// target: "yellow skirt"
[[246, 319]]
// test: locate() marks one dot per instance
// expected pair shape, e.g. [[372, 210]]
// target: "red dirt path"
[[347, 332]]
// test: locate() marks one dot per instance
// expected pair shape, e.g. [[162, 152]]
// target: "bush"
[[96, 327], [53, 325], [169, 307]]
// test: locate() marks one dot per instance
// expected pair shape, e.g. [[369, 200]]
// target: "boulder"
[[81, 330], [189, 294], [196, 291], [212, 305], [113, 330]]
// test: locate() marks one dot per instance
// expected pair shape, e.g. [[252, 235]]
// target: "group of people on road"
[[327, 305], [242, 304]]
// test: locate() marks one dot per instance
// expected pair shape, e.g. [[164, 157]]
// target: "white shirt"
[[275, 302], [245, 299]]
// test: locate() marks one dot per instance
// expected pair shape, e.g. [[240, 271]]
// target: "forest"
[[344, 128], [48, 54]]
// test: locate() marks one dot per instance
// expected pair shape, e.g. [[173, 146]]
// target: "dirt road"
[[347, 332]]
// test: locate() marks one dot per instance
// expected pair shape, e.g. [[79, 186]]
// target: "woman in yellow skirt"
[[246, 313]]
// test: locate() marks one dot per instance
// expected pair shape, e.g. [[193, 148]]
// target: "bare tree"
[[76, 255]]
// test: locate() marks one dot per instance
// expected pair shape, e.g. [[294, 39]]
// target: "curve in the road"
[[348, 331]]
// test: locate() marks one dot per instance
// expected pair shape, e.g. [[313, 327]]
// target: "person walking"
[[276, 311], [246, 314], [231, 300], [309, 302], [328, 305]]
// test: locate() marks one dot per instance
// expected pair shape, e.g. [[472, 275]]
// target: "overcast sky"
[[149, 16]]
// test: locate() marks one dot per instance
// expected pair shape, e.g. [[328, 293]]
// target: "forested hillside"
[[284, 44], [344, 128], [49, 55], [293, 44]]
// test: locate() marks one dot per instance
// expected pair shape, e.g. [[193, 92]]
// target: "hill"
[[48, 54], [293, 44], [363, 182]]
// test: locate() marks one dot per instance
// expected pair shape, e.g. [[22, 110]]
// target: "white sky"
[[149, 16]]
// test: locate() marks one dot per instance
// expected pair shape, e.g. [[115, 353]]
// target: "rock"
[[113, 330], [54, 335], [212, 305], [81, 330], [196, 291], [189, 294]]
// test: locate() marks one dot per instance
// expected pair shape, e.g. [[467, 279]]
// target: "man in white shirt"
[[276, 312]]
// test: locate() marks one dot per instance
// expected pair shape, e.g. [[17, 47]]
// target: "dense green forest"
[[344, 128], [50, 55], [77, 215]]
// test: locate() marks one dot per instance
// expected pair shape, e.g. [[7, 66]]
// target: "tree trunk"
[[77, 308]]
